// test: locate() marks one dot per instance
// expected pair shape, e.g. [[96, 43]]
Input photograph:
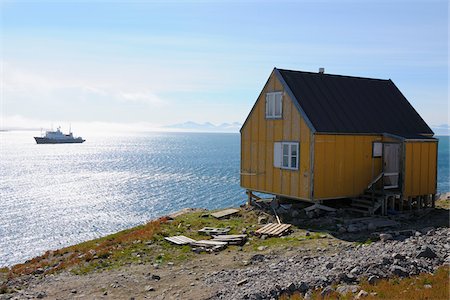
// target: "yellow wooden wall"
[[257, 141], [343, 165], [420, 168]]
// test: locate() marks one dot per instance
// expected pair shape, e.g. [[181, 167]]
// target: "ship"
[[57, 137]]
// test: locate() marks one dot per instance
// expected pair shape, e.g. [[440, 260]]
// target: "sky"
[[153, 63]]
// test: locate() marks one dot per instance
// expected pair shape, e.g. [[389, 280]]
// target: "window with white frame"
[[286, 155], [274, 105]]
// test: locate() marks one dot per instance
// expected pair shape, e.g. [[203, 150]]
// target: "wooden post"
[[433, 200], [249, 201]]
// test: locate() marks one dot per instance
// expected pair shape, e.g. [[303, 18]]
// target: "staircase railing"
[[371, 187]]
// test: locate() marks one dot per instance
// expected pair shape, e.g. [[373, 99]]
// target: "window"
[[274, 105], [286, 155], [377, 149]]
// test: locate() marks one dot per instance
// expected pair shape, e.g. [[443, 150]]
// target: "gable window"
[[274, 105], [286, 155]]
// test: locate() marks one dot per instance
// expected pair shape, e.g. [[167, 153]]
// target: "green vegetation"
[[146, 244]]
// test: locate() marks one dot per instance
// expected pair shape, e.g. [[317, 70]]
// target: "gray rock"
[[294, 214], [426, 253], [427, 230], [386, 237], [399, 271], [262, 220], [345, 289], [398, 256], [308, 295], [329, 265], [156, 277], [149, 288], [373, 279], [262, 248], [326, 291], [41, 295], [303, 287], [292, 287], [362, 294], [257, 257]]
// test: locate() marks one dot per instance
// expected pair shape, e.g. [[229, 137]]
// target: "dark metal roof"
[[345, 104]]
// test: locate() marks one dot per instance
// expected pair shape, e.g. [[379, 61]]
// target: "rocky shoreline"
[[270, 276]]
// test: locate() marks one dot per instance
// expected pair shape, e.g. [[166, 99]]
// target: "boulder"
[[386, 237], [426, 252]]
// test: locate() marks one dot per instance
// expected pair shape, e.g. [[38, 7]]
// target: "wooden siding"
[[343, 165], [419, 168], [258, 136]]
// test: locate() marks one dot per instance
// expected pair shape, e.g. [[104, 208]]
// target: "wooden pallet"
[[214, 231], [273, 229], [225, 213], [179, 240]]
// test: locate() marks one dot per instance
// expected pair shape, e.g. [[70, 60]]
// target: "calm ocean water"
[[56, 195]]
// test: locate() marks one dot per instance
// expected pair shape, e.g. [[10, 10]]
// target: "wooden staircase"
[[367, 203], [372, 199]]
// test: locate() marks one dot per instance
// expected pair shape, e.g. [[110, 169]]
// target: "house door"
[[391, 168]]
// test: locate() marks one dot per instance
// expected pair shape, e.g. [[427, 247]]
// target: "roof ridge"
[[332, 75]]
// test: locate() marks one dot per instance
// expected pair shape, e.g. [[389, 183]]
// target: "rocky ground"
[[333, 260], [269, 276]]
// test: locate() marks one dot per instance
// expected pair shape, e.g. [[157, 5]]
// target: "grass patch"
[[145, 244]]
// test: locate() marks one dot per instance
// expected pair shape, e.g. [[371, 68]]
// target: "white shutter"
[[267, 105], [277, 154]]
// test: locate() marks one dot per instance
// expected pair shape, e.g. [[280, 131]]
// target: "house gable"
[[258, 137]]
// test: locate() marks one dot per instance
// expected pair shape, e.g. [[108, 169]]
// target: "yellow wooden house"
[[316, 137]]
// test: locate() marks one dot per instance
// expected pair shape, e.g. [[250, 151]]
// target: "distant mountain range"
[[443, 129], [208, 127]]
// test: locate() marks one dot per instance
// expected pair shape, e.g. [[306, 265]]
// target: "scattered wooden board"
[[237, 239], [208, 243], [273, 229], [179, 240], [214, 231], [225, 213], [320, 206]]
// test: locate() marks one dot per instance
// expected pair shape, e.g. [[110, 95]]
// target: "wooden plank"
[[225, 213], [179, 240], [320, 206], [208, 243], [237, 239], [213, 230]]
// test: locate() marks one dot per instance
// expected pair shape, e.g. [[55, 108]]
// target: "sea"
[[53, 196]]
